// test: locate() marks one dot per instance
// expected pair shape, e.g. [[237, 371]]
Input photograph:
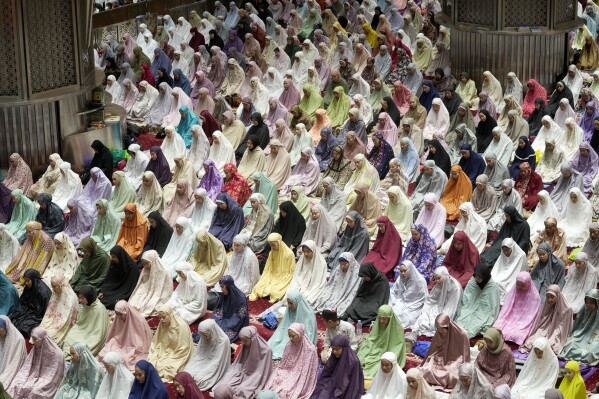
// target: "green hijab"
[[23, 213], [377, 95], [268, 189], [93, 268], [389, 338], [339, 107], [311, 101], [107, 227], [302, 203], [123, 194], [3, 393]]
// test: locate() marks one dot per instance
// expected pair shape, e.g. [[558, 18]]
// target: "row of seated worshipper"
[[306, 179]]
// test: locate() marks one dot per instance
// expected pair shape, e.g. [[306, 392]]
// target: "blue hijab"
[[161, 60], [183, 82], [303, 314], [410, 161], [227, 223], [324, 149], [188, 119], [10, 298], [231, 310], [473, 166], [426, 99], [153, 388]]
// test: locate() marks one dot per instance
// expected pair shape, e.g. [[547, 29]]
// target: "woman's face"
[[426, 89], [386, 366], [573, 198], [482, 117], [415, 235], [458, 245], [590, 304], [543, 255], [507, 251], [550, 298], [344, 265], [466, 380], [82, 299], [100, 210], [308, 253], [580, 264], [57, 288], [413, 382], [293, 336], [139, 375]]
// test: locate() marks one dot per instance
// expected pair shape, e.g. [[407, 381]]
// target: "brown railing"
[[158, 7]]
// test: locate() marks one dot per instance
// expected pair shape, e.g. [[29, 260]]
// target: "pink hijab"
[[401, 97], [296, 375], [433, 220], [291, 95], [19, 174], [388, 129], [42, 372], [554, 322], [520, 308], [182, 204], [131, 338]]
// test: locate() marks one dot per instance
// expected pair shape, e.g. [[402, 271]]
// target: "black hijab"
[[260, 130], [595, 138], [371, 295], [102, 158], [121, 278], [166, 77], [484, 272], [535, 119], [292, 226], [6, 204], [441, 157], [32, 304], [392, 110], [51, 217], [557, 96], [159, 236], [517, 229], [452, 104], [215, 39], [89, 293], [484, 131]]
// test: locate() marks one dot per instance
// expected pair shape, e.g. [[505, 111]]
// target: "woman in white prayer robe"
[[189, 301]]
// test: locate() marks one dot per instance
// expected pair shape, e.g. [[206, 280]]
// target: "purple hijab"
[[212, 181], [6, 204], [324, 72], [81, 221], [586, 123], [341, 377], [281, 112], [202, 82], [227, 223], [161, 60], [159, 167], [100, 188], [291, 96], [234, 43], [586, 166]]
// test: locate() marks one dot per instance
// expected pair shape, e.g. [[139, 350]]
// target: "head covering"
[[345, 374], [424, 390], [153, 387], [83, 377], [154, 286], [296, 375], [211, 357], [355, 240], [384, 337], [444, 350], [479, 385], [553, 322], [538, 374], [160, 166], [231, 311], [228, 222], [42, 371], [252, 366], [209, 258]]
